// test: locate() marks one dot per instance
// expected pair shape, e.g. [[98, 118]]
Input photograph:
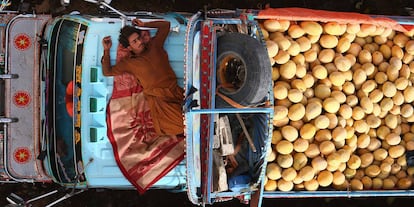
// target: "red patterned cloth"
[[142, 156]]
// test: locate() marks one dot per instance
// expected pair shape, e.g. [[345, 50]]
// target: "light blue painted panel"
[[178, 68], [103, 170], [175, 52]]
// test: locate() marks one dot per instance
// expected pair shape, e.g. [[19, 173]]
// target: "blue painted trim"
[[232, 110], [333, 193]]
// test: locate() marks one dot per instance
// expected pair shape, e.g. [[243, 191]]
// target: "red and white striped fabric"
[[142, 156]]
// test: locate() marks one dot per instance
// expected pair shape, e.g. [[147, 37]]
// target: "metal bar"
[[227, 194], [188, 68], [9, 76], [205, 119], [65, 197], [6, 120], [225, 21], [232, 110], [113, 9], [106, 5], [42, 196], [212, 82], [249, 139]]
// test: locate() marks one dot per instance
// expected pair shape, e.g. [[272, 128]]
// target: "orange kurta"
[[159, 82]]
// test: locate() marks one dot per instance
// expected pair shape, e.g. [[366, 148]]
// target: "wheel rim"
[[231, 73]]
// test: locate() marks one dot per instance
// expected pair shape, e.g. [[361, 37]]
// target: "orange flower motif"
[[22, 42], [21, 99], [22, 155]]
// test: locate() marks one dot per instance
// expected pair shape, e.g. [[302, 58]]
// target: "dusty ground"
[[160, 198]]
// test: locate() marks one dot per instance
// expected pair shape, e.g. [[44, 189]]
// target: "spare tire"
[[243, 70]]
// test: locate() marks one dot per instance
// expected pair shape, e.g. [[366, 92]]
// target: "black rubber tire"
[[253, 58]]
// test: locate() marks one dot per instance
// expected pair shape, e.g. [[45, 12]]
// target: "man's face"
[[135, 43], [145, 36]]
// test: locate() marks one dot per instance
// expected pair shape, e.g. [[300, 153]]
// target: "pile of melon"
[[343, 97]]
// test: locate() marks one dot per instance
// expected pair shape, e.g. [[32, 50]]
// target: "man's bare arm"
[[106, 64], [106, 58], [163, 29]]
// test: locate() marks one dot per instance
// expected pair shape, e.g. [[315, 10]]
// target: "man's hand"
[[107, 43], [137, 22]]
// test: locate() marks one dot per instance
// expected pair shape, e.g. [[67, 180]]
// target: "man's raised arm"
[[163, 29], [106, 58]]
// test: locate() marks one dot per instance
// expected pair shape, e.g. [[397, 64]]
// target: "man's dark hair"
[[125, 32]]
